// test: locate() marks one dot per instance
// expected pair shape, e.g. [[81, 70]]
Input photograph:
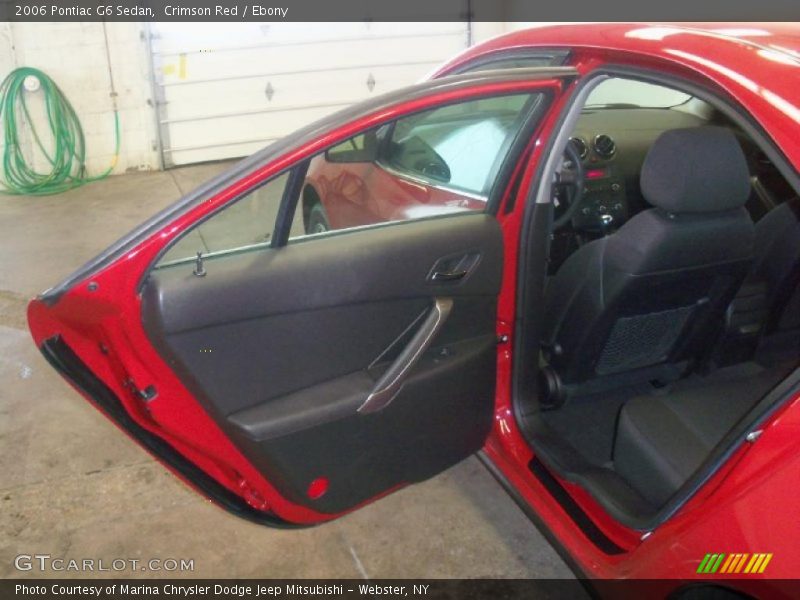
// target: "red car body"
[[749, 505]]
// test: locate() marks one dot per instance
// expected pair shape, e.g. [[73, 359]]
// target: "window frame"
[[531, 118], [494, 60], [289, 152]]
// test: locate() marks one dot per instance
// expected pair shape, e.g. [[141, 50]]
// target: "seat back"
[[777, 264], [656, 291]]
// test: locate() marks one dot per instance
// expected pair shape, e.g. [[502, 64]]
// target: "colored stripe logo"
[[734, 563]]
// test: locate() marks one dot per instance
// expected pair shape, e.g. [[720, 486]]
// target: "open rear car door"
[[294, 380]]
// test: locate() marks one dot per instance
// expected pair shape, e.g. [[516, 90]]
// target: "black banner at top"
[[397, 10]]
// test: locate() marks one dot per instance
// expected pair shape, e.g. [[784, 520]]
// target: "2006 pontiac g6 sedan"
[[574, 250]]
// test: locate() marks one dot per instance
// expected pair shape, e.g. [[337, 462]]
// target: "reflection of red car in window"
[[339, 195], [435, 162]]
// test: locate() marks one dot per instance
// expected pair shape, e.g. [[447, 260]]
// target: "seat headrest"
[[701, 169]]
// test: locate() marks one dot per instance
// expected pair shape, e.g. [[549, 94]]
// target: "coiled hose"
[[66, 157]]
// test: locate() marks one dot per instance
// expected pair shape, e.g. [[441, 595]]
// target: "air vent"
[[604, 146], [580, 146]]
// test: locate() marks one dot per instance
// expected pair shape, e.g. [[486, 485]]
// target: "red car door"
[[292, 378]]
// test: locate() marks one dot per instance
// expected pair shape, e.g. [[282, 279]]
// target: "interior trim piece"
[[393, 379], [566, 127]]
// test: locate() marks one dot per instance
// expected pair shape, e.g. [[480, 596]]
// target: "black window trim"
[[485, 62]]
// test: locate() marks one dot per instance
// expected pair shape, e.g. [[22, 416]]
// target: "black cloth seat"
[[662, 440], [777, 264], [655, 292]]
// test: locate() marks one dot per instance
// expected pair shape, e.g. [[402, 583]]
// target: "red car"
[[574, 250]]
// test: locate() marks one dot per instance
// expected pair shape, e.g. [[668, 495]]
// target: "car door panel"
[[283, 362], [251, 381]]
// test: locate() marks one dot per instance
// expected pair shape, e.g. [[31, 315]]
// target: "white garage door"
[[226, 90]]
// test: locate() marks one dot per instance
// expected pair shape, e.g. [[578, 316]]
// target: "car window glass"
[[629, 93], [354, 143], [248, 223], [431, 163], [434, 162], [456, 144]]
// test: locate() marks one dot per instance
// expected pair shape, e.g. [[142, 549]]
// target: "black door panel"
[[381, 263], [282, 346], [442, 415]]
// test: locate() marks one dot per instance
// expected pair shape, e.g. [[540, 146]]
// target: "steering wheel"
[[572, 181]]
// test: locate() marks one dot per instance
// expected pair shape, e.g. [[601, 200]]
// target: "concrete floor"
[[72, 486]]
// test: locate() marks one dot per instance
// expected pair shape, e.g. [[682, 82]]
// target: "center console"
[[603, 205]]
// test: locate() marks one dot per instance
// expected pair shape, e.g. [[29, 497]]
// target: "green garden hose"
[[66, 157]]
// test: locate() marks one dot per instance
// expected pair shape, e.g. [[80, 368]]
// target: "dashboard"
[[613, 143]]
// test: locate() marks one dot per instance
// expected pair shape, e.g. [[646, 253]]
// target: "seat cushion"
[[662, 440]]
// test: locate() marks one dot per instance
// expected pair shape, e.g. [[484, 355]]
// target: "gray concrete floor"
[[72, 486]]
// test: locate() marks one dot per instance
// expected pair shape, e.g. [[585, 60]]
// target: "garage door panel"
[[272, 125], [217, 152], [216, 64], [175, 38], [227, 90], [283, 92]]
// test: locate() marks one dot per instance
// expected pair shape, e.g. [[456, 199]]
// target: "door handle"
[[453, 267], [395, 376], [454, 275]]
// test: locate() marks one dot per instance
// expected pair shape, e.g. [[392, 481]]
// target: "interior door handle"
[[454, 275], [393, 379], [453, 267]]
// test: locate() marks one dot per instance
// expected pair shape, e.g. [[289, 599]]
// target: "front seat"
[[777, 264], [646, 302]]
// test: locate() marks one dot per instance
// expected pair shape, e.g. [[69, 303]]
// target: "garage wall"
[[327, 75], [227, 89], [74, 55]]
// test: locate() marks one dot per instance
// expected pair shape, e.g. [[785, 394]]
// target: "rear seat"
[[662, 440]]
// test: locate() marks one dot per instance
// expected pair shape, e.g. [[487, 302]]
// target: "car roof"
[[732, 39], [756, 63], [782, 37]]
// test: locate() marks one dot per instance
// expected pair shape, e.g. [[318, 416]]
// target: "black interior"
[[283, 347], [671, 307], [641, 304]]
